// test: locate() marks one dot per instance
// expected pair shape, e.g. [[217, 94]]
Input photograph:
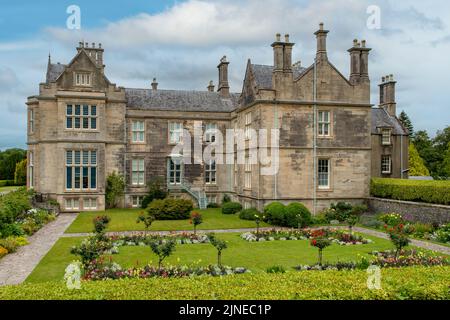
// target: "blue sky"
[[180, 43]]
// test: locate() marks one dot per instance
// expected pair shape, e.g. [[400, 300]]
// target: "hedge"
[[411, 190], [396, 283], [231, 207], [7, 183], [170, 209]]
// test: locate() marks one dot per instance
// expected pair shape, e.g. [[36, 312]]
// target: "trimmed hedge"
[[170, 209], [249, 214], [411, 190], [275, 213], [7, 183], [231, 207], [295, 209], [396, 283]]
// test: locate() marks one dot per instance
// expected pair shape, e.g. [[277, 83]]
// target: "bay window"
[[81, 170]]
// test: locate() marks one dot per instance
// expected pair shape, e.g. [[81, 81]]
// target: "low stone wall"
[[411, 211]]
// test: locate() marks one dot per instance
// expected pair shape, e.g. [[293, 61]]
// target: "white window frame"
[[136, 201], [324, 123], [248, 174], [210, 132], [31, 121], [87, 159], [138, 172], [248, 125], [177, 167], [91, 117], [386, 137], [386, 160], [235, 174], [247, 205], [83, 79], [90, 204], [138, 131], [72, 204], [31, 169], [321, 174], [211, 172], [175, 132]]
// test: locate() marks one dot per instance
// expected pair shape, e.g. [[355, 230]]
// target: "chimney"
[[154, 85], [287, 54], [321, 36], [96, 54], [387, 94], [355, 70], [224, 88], [211, 86], [282, 75], [278, 53], [364, 62]]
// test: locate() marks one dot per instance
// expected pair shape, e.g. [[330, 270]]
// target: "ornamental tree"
[[220, 245], [146, 219], [398, 237], [196, 219], [319, 240], [162, 249]]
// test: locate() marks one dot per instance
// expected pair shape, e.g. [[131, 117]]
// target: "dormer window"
[[82, 79], [386, 137]]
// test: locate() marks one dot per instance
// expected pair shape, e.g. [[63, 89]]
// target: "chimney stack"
[[211, 86], [359, 62], [96, 54], [282, 76], [224, 87], [364, 62], [387, 94], [321, 36], [154, 85]]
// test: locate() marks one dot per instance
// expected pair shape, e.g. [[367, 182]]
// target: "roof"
[[381, 118], [263, 74], [54, 71], [180, 100]]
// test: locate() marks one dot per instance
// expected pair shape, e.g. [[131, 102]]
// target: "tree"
[[220, 245], [424, 146], [20, 175], [146, 219], [8, 160], [196, 219], [445, 167], [163, 250], [404, 119], [156, 191], [440, 144], [416, 164], [115, 187]]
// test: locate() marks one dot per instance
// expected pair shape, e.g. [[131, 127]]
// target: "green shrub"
[[20, 174], [275, 213], [13, 229], [9, 244], [7, 183], [226, 198], [170, 209], [391, 219], [276, 269], [411, 190], [249, 214], [231, 207], [212, 205], [13, 205], [297, 213], [156, 191], [115, 188], [421, 229]]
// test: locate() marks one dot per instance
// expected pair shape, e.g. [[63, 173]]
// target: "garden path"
[[15, 267]]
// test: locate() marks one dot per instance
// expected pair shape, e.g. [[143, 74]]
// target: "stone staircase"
[[198, 193]]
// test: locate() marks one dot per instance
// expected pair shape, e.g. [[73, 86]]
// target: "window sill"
[[325, 189]]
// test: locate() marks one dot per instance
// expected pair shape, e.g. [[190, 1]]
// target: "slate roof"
[[263, 74], [380, 118], [54, 71], [179, 100]]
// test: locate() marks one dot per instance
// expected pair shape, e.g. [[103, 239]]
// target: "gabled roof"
[[381, 118], [54, 70], [263, 74], [179, 100]]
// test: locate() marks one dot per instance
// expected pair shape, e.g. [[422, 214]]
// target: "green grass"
[[256, 256], [7, 189], [125, 220]]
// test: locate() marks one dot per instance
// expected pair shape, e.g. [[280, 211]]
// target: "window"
[[81, 170], [175, 132], [31, 170], [247, 205], [31, 120], [72, 204], [386, 164], [210, 172], [386, 136], [210, 132], [175, 171], [137, 172], [90, 204], [324, 123], [235, 174], [248, 174], [248, 125], [212, 198], [83, 79], [138, 131], [137, 201], [81, 117], [323, 171]]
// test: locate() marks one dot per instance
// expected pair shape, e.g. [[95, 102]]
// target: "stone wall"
[[412, 211]]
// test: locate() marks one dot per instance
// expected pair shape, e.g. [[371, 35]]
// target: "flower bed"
[[335, 235], [408, 258]]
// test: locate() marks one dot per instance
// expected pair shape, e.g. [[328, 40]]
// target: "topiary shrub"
[[297, 214], [249, 214], [275, 213], [231, 207], [170, 209]]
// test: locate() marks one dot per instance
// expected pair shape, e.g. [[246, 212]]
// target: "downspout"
[[401, 156], [315, 139], [275, 116]]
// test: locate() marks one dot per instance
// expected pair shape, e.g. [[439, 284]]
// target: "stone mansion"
[[82, 127]]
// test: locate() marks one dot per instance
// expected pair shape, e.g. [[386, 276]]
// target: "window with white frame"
[[90, 203], [212, 198], [248, 174], [175, 132], [323, 173], [137, 201], [31, 169], [324, 123], [248, 124], [31, 120], [81, 117], [81, 169], [82, 79], [137, 172], [210, 172], [72, 204], [138, 131], [247, 205], [386, 164], [175, 171], [210, 132], [386, 136]]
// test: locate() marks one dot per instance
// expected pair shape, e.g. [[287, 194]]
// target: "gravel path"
[[15, 267]]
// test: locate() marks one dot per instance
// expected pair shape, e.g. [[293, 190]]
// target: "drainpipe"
[[315, 139], [275, 116], [401, 156]]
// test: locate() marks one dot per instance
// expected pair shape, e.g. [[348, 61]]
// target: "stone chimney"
[[154, 85], [96, 53], [355, 66], [282, 76], [224, 87], [387, 94], [321, 36], [211, 86], [364, 62]]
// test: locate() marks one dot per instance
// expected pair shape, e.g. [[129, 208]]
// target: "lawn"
[[125, 220], [256, 256], [7, 189]]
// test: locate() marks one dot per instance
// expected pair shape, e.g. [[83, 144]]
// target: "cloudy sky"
[[181, 42]]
